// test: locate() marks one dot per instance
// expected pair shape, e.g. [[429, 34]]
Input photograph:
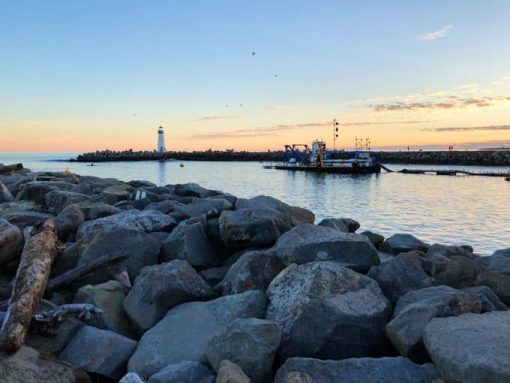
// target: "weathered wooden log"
[[10, 168], [34, 269]]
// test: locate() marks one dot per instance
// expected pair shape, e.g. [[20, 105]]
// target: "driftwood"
[[78, 310], [10, 168], [34, 269]]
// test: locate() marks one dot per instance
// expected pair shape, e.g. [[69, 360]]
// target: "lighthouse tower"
[[161, 140]]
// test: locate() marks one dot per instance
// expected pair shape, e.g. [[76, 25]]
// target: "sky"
[[253, 75]]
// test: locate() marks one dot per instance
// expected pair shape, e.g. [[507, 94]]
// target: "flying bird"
[[253, 53]]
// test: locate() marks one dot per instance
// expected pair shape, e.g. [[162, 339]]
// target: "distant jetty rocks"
[[131, 282], [493, 157]]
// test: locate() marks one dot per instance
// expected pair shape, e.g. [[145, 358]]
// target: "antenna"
[[335, 132]]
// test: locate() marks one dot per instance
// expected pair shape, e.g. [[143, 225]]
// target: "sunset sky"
[[253, 75]]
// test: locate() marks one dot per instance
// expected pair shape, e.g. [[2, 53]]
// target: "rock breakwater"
[[178, 283]]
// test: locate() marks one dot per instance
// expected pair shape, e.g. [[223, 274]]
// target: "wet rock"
[[498, 282], [108, 297], [403, 243], [471, 348], [308, 243], [183, 372], [253, 271], [376, 239], [28, 365], [182, 335], [189, 242], [68, 221], [147, 220], [345, 225], [500, 261], [250, 343], [11, 242], [359, 370], [158, 288], [5, 194], [320, 305], [490, 301], [416, 309], [214, 275], [100, 351], [57, 200], [36, 190], [400, 275], [231, 373]]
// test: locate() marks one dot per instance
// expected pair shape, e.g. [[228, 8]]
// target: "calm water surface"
[[442, 209]]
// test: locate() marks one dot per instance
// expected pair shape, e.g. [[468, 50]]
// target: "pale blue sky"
[[96, 63]]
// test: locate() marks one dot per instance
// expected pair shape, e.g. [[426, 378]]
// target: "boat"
[[507, 179], [317, 158]]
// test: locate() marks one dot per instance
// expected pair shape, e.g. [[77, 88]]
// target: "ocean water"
[[437, 209]]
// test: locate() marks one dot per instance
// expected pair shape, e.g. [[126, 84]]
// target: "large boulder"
[[376, 239], [355, 370], [500, 261], [28, 365], [254, 270], [321, 305], [308, 243], [400, 275], [36, 190], [403, 243], [146, 220], [68, 221], [182, 335], [184, 372], [25, 218], [230, 372], [189, 242], [11, 242], [5, 194], [208, 207], [214, 275], [458, 272], [94, 210], [158, 288], [244, 228], [250, 343], [416, 309], [57, 200], [100, 351], [345, 225], [498, 282], [192, 190], [471, 348], [108, 297], [490, 301]]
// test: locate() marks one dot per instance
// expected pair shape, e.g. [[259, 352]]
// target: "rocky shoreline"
[[178, 283]]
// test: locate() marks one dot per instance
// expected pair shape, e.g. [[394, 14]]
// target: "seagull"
[[253, 53], [226, 106], [240, 104], [276, 75]]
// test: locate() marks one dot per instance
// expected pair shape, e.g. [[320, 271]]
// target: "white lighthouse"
[[161, 140]]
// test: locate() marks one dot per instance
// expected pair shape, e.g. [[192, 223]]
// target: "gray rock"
[[214, 275], [321, 305], [402, 243], [490, 301], [458, 272], [100, 351], [500, 261], [158, 288], [57, 200], [131, 377], [192, 190], [108, 296], [94, 210], [5, 194], [355, 370], [498, 282], [345, 225], [68, 221], [254, 270], [308, 243], [208, 207], [146, 220], [250, 343], [417, 308], [36, 190], [183, 333], [28, 365], [449, 251], [231, 373], [400, 275], [119, 191], [189, 242], [376, 239], [165, 207], [11, 242], [471, 348], [25, 218], [183, 372], [385, 257], [244, 228], [2, 316]]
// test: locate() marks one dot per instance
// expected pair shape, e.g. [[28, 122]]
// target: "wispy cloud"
[[453, 102], [468, 128], [209, 118], [431, 36]]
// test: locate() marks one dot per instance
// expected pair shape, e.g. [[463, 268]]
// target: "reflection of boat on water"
[[181, 165], [507, 179], [91, 164], [318, 159]]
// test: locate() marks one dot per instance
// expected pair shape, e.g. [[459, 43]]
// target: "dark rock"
[[449, 251], [345, 225], [400, 275], [5, 194], [189, 242], [385, 257], [498, 282], [158, 288], [250, 343], [229, 372], [36, 190], [28, 365], [108, 297], [68, 221], [214, 275], [490, 301], [355, 370], [94, 210], [183, 333], [308, 243], [119, 191], [376, 239], [471, 348], [192, 190], [209, 207], [321, 305], [165, 207], [458, 272], [99, 351], [415, 310], [57, 200], [54, 343], [500, 261], [402, 243], [184, 372], [11, 242], [24, 218], [253, 271]]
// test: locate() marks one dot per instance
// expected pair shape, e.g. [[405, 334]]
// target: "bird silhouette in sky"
[[226, 106], [253, 53], [275, 75], [240, 104]]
